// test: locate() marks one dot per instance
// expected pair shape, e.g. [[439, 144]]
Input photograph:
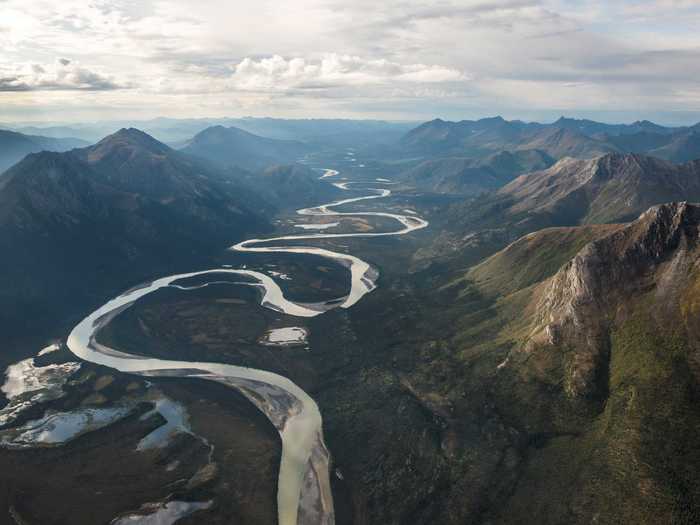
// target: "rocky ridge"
[[577, 305]]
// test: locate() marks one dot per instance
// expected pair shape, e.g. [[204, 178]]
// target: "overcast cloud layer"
[[400, 59]]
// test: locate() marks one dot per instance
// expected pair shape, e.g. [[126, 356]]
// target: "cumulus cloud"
[[62, 75], [276, 73], [458, 58]]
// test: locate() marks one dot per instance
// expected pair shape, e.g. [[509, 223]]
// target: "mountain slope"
[[616, 328], [563, 142], [593, 128], [611, 188], [15, 146], [76, 225], [473, 176], [291, 186], [564, 138], [466, 138], [491, 135], [563, 376], [235, 147], [682, 147]]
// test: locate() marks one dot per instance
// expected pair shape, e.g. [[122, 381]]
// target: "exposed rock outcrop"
[[577, 305]]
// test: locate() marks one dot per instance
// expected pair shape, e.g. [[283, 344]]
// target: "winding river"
[[303, 489]]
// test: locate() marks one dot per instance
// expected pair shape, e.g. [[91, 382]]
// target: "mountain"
[[592, 128], [291, 186], [486, 136], [326, 132], [640, 142], [235, 147], [561, 142], [653, 258], [676, 146], [566, 368], [465, 138], [15, 146], [564, 138], [683, 147], [618, 325], [616, 329], [79, 224], [321, 132], [469, 176], [555, 382], [608, 189]]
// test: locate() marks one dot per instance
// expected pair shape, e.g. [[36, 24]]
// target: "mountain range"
[[15, 146], [95, 218], [320, 132], [565, 137], [469, 176], [536, 363], [607, 189], [564, 372]]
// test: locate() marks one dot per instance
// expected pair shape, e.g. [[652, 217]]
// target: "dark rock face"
[[581, 300]]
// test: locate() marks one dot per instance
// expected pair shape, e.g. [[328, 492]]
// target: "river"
[[303, 489]]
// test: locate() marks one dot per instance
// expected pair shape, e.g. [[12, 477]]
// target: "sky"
[[615, 61]]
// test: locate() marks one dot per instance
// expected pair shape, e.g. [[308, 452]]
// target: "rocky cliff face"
[[577, 306]]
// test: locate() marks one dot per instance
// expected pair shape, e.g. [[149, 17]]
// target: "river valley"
[[304, 494]]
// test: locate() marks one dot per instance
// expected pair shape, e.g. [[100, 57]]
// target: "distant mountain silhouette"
[[562, 138], [15, 146], [235, 147]]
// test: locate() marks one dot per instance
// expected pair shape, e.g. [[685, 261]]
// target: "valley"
[[411, 262], [412, 354]]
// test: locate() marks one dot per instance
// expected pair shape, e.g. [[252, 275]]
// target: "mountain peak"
[[617, 163], [577, 303], [126, 141], [497, 119], [221, 130]]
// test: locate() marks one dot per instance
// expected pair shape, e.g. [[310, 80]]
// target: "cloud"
[[62, 75], [453, 58], [276, 73]]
